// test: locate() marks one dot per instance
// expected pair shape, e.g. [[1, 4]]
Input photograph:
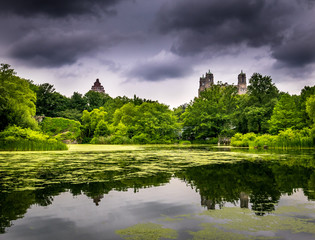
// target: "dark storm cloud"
[[298, 50], [54, 49], [52, 33], [55, 8], [210, 26], [163, 67]]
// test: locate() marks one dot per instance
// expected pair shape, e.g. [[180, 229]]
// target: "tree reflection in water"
[[257, 185]]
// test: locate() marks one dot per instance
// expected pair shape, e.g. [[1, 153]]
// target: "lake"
[[157, 192]]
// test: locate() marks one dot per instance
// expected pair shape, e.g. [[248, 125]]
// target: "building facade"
[[97, 87], [206, 81], [241, 84]]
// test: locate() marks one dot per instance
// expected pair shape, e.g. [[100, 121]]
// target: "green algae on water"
[[245, 220], [171, 219], [147, 231], [210, 232]]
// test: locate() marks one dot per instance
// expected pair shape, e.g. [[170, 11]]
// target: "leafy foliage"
[[49, 102], [62, 128], [285, 115], [285, 139], [211, 113], [95, 99], [262, 97], [21, 139], [218, 113], [149, 122], [17, 100], [310, 107]]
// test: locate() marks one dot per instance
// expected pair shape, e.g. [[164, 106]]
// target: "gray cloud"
[[57, 48], [298, 50], [209, 26], [56, 8], [162, 67]]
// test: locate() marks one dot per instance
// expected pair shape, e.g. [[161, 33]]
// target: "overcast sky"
[[158, 49]]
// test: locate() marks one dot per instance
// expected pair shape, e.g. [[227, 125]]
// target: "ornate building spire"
[[97, 87]]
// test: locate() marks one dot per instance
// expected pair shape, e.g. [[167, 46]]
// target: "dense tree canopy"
[[219, 111], [211, 113], [17, 100], [310, 107], [149, 122], [49, 102], [95, 99], [285, 115], [262, 97]]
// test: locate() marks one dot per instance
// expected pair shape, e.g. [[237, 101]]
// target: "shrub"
[[101, 129], [186, 142], [141, 138], [285, 139], [240, 140], [111, 140], [24, 139], [61, 128], [262, 141]]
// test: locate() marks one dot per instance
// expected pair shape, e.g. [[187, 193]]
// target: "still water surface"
[[157, 192]]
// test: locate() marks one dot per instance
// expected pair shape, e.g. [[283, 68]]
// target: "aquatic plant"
[[231, 219], [145, 231]]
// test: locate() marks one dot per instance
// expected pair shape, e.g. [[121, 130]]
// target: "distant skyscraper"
[[97, 87]]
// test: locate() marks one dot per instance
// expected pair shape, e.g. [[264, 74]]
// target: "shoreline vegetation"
[[285, 139], [37, 118], [25, 139]]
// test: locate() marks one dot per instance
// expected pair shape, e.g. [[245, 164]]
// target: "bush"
[[24, 139], [141, 138], [285, 139], [240, 140], [263, 140], [62, 129], [101, 129], [111, 140]]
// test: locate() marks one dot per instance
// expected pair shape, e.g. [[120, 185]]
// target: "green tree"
[[240, 116], [306, 92], [95, 99], [115, 103], [179, 111], [148, 122], [49, 102], [101, 129], [211, 113], [90, 120], [78, 102], [262, 97], [17, 100], [310, 107], [285, 115], [73, 114]]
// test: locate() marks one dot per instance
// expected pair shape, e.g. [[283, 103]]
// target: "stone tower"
[[205, 82], [97, 87], [241, 84]]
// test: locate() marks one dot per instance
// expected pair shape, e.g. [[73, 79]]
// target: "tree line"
[[99, 118]]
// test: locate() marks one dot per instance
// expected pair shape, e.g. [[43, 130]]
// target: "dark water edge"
[[174, 192]]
